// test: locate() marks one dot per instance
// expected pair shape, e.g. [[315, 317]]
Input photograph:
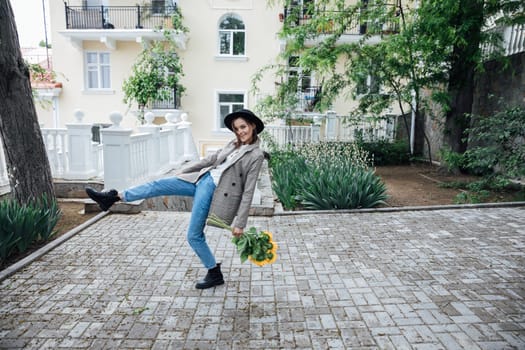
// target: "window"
[[368, 85], [231, 36], [158, 6], [97, 70], [302, 76], [229, 102]]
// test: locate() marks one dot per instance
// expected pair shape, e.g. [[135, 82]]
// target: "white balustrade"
[[56, 147], [293, 134], [140, 152], [335, 129], [133, 158], [124, 159], [513, 39]]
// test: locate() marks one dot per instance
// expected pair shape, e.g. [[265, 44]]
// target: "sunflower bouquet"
[[258, 247]]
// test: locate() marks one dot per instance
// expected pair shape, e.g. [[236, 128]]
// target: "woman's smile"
[[243, 130]]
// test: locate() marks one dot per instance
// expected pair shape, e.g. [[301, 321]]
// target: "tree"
[[26, 159], [375, 73], [467, 21], [435, 47]]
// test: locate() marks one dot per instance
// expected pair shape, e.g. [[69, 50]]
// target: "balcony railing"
[[356, 24], [119, 17], [308, 98], [172, 100]]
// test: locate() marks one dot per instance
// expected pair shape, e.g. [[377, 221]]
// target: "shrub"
[[453, 161], [330, 175], [500, 145], [334, 187], [23, 225], [284, 167], [384, 152]]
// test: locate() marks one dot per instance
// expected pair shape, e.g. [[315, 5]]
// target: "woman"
[[222, 183]]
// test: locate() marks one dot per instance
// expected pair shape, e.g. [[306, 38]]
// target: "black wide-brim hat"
[[246, 115]]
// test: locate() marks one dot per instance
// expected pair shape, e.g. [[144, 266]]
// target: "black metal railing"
[[356, 23], [171, 101], [119, 17]]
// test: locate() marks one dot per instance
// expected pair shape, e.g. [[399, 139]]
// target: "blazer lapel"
[[244, 150]]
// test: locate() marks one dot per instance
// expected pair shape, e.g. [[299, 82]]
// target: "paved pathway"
[[445, 279]]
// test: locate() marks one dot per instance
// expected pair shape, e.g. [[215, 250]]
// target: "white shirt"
[[218, 170]]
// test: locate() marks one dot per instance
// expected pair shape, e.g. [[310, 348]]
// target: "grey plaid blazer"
[[233, 195]]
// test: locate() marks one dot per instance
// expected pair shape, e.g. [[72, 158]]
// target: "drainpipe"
[[413, 123]]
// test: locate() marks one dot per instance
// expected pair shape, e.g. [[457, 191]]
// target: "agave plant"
[[326, 176], [23, 225], [284, 169], [341, 188]]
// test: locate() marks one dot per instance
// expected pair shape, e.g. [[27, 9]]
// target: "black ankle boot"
[[213, 278], [104, 199]]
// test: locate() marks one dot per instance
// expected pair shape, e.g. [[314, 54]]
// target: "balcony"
[[109, 24], [352, 28], [170, 101], [308, 99]]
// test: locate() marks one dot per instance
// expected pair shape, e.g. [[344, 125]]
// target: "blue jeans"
[[202, 193]]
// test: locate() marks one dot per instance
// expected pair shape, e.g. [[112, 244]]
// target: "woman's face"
[[244, 130]]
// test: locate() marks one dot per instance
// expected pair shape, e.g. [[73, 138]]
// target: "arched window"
[[231, 36]]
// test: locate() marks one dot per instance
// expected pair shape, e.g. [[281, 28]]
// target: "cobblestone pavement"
[[445, 279]]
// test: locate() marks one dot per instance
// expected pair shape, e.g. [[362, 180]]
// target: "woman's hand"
[[237, 232]]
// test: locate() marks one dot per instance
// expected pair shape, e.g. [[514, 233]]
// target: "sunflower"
[[258, 247]]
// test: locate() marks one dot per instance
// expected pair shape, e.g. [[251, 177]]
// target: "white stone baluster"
[[175, 144], [153, 146]]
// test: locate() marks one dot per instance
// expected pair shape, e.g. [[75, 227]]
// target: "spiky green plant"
[[25, 224], [328, 175]]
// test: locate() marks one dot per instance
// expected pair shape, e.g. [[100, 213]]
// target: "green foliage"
[[334, 187], [39, 73], [285, 165], [425, 43], [472, 197], [497, 148], [42, 43], [330, 175], [500, 146], [156, 72], [177, 21], [384, 152], [453, 161], [23, 225]]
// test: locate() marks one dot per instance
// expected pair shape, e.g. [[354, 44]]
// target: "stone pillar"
[[80, 149], [117, 154], [190, 150]]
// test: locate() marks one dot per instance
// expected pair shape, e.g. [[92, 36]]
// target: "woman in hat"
[[222, 184]]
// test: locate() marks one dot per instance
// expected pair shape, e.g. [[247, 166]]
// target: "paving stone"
[[439, 279]]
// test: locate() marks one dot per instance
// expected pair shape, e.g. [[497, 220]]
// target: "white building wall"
[[204, 72]]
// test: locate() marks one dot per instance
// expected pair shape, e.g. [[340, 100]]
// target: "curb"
[[48, 247], [280, 212]]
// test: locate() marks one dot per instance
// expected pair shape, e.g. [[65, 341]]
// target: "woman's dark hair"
[[255, 137]]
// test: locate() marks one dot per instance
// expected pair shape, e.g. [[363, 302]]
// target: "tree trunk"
[[26, 159], [465, 54]]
